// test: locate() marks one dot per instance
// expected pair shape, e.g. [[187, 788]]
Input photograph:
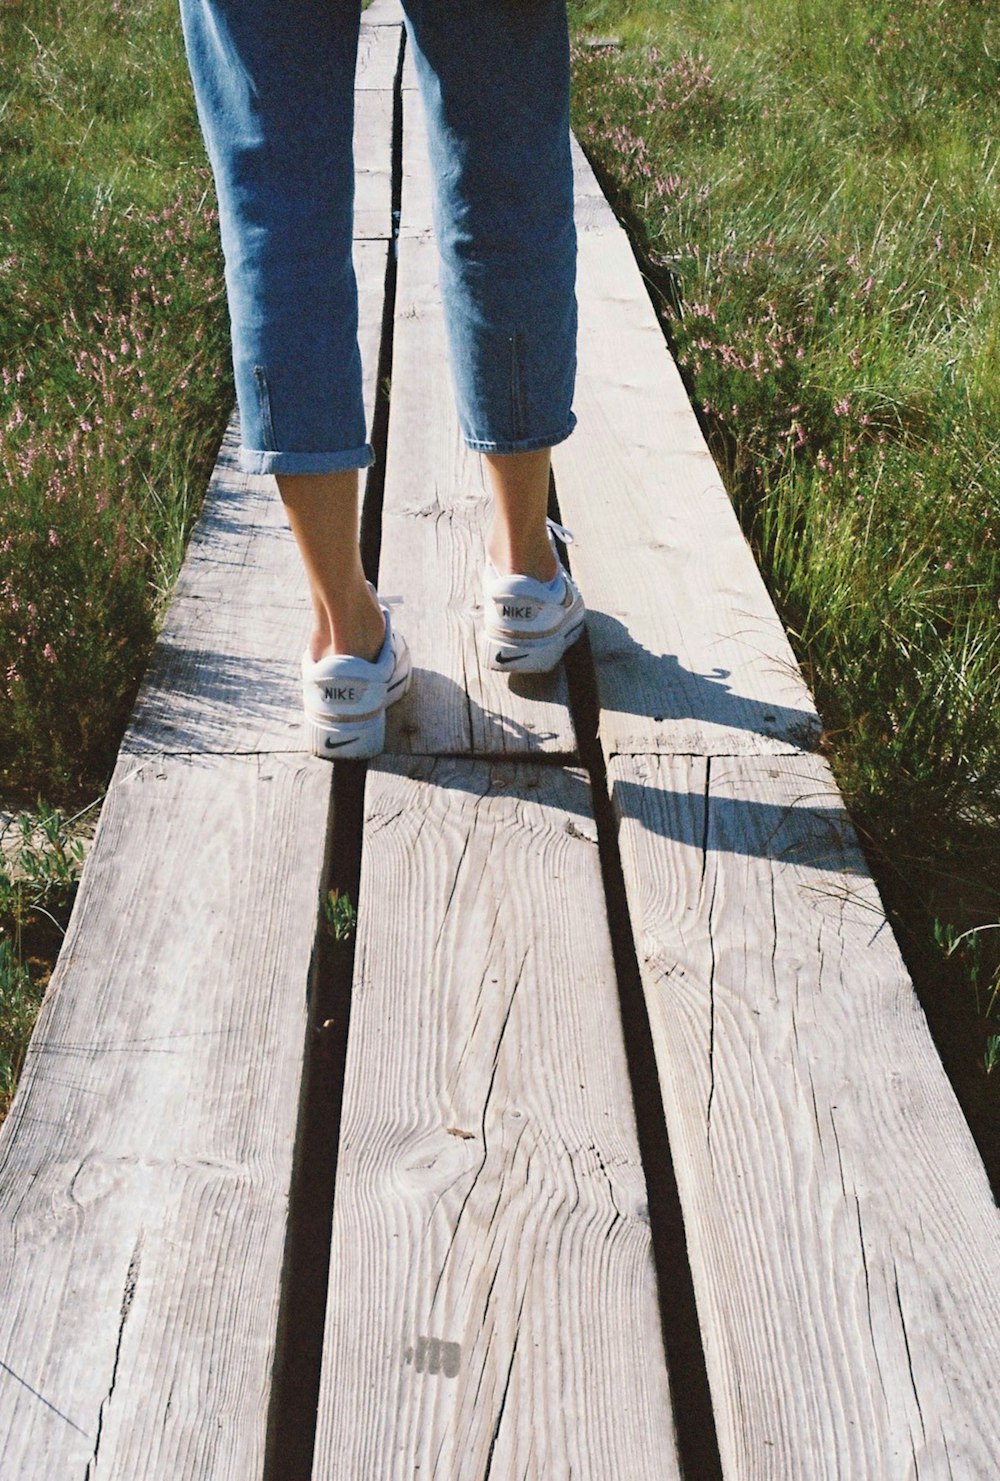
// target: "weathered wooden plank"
[[379, 43], [408, 76], [224, 678], [844, 1243], [378, 52], [689, 652], [415, 217], [146, 1161], [224, 674], [382, 13], [492, 1305], [592, 211], [435, 519], [373, 161]]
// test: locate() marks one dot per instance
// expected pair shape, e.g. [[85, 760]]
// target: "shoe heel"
[[524, 658], [342, 741]]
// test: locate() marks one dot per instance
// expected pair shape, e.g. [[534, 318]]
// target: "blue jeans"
[[274, 85]]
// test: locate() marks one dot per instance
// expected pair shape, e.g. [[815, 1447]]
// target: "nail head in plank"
[[844, 1243], [146, 1160], [492, 1294], [435, 518], [689, 652]]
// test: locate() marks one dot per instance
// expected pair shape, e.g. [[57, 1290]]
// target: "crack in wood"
[[506, 1389], [128, 1296], [909, 1361], [868, 1297]]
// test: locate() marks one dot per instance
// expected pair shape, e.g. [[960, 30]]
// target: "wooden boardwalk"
[[546, 1134]]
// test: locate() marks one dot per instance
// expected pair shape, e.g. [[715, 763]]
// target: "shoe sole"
[[533, 656], [353, 740]]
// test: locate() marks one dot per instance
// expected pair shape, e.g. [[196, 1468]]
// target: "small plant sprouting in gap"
[[340, 916], [991, 1054]]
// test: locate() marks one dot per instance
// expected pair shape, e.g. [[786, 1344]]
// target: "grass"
[[38, 877], [813, 190], [340, 916], [112, 337]]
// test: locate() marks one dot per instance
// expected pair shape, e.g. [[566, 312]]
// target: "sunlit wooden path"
[[505, 1289]]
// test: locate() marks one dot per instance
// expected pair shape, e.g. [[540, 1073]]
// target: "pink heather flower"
[[49, 653], [53, 538]]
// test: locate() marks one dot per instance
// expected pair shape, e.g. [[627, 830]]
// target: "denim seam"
[[264, 404], [516, 399]]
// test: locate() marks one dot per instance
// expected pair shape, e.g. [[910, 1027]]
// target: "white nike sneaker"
[[529, 624], [345, 698]]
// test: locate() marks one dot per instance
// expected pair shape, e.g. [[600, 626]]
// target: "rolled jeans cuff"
[[251, 461], [522, 445]]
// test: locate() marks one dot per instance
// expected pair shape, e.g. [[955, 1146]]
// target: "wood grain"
[[145, 1163], [492, 1306], [843, 1239], [435, 519], [689, 653]]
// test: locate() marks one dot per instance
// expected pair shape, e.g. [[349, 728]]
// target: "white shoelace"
[[560, 531]]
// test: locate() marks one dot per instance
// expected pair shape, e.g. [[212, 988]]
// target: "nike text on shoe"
[[345, 698], [529, 624]]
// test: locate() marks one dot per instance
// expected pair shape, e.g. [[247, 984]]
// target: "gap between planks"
[[492, 1302]]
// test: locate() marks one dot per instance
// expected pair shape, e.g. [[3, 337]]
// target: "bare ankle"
[[517, 556], [351, 623]]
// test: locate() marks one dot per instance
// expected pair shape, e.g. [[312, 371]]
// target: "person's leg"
[[494, 78], [274, 85], [519, 540], [322, 510]]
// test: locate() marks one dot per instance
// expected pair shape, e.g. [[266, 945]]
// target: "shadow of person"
[[691, 711]]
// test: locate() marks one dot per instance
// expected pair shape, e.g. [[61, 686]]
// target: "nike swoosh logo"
[[331, 745], [510, 657]]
